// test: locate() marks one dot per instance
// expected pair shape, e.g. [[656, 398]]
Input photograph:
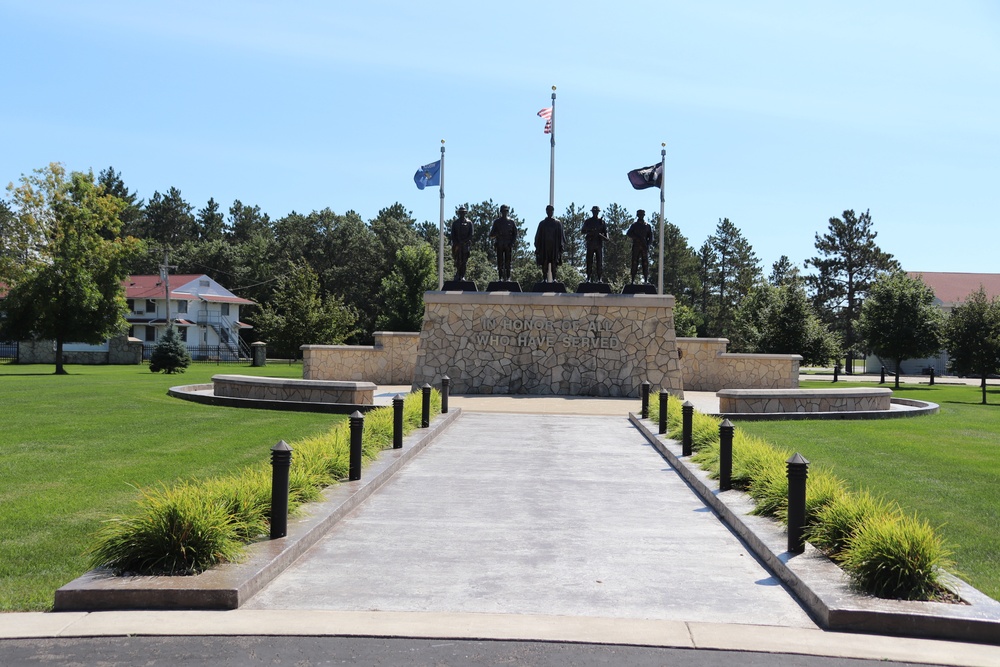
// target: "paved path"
[[537, 514]]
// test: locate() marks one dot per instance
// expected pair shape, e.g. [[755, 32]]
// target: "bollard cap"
[[726, 424], [357, 415], [398, 397], [281, 446], [797, 460], [687, 404], [425, 385], [445, 377]]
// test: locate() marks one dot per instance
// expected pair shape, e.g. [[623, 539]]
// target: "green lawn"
[[74, 448], [944, 467]]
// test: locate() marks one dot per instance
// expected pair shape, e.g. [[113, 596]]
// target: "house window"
[[182, 306], [202, 283], [131, 332], [150, 306], [131, 305], [225, 310], [150, 334], [183, 332]]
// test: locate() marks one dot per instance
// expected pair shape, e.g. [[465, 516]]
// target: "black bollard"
[[281, 460], [644, 394], [445, 384], [664, 402], [798, 470], [357, 427], [687, 413], [725, 455], [881, 380], [836, 371], [932, 376], [397, 421], [425, 416]]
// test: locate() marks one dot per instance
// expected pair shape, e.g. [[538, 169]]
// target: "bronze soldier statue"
[[595, 231], [642, 236], [461, 243], [504, 235], [549, 242]]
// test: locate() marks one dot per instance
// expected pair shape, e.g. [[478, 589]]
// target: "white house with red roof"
[[950, 289], [205, 314]]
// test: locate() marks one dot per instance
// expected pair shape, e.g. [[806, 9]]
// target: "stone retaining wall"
[[548, 344], [706, 366], [803, 400], [391, 360], [122, 350], [301, 391]]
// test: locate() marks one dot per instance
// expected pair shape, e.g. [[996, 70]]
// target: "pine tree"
[[170, 355]]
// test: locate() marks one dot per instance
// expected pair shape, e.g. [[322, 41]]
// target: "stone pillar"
[[259, 354]]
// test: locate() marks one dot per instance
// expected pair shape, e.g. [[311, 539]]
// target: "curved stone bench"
[[292, 390], [851, 399]]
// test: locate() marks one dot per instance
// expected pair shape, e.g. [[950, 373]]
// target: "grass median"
[[944, 467], [76, 448]]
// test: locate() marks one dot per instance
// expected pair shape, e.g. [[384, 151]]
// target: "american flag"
[[546, 113]]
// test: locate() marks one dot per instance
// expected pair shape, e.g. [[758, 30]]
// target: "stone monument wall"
[[389, 361], [561, 344], [708, 367]]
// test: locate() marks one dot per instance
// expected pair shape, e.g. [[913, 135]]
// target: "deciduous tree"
[[972, 337], [899, 320], [402, 296], [71, 289]]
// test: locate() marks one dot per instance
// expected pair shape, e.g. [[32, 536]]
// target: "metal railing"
[[8, 351], [211, 354]]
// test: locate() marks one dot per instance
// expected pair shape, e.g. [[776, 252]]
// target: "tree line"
[[328, 277]]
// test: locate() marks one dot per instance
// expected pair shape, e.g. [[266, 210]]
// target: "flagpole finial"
[[442, 141]]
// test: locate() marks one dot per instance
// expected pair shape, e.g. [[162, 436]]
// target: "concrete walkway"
[[537, 514]]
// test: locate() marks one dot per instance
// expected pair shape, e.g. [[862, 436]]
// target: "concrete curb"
[[822, 586], [230, 585], [916, 409], [205, 394]]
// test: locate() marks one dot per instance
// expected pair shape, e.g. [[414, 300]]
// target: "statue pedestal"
[[639, 289], [546, 287], [503, 286], [459, 286], [548, 344], [593, 288]]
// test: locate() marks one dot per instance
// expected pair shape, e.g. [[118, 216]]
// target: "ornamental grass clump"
[[839, 520], [175, 532], [192, 526], [897, 557]]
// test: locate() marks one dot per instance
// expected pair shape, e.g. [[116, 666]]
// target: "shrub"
[[897, 557]]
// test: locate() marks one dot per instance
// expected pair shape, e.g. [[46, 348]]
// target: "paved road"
[[537, 514], [307, 651]]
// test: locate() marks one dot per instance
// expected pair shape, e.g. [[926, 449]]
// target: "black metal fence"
[[8, 352], [208, 354]]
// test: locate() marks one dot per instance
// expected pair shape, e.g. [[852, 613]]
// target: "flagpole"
[[663, 179], [552, 153], [441, 225]]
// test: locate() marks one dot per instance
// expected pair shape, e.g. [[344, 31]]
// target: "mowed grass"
[[944, 467], [75, 448]]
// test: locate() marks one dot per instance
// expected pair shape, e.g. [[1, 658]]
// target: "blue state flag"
[[428, 175]]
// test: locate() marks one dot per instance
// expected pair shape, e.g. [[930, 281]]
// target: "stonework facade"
[[803, 400], [301, 391], [548, 344], [707, 366], [120, 350], [390, 360]]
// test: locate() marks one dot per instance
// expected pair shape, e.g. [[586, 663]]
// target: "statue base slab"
[[593, 288], [639, 289], [503, 286], [555, 286], [459, 286]]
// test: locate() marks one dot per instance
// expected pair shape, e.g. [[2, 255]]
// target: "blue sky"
[[776, 114]]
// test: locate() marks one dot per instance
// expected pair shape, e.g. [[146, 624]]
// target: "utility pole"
[[165, 277]]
